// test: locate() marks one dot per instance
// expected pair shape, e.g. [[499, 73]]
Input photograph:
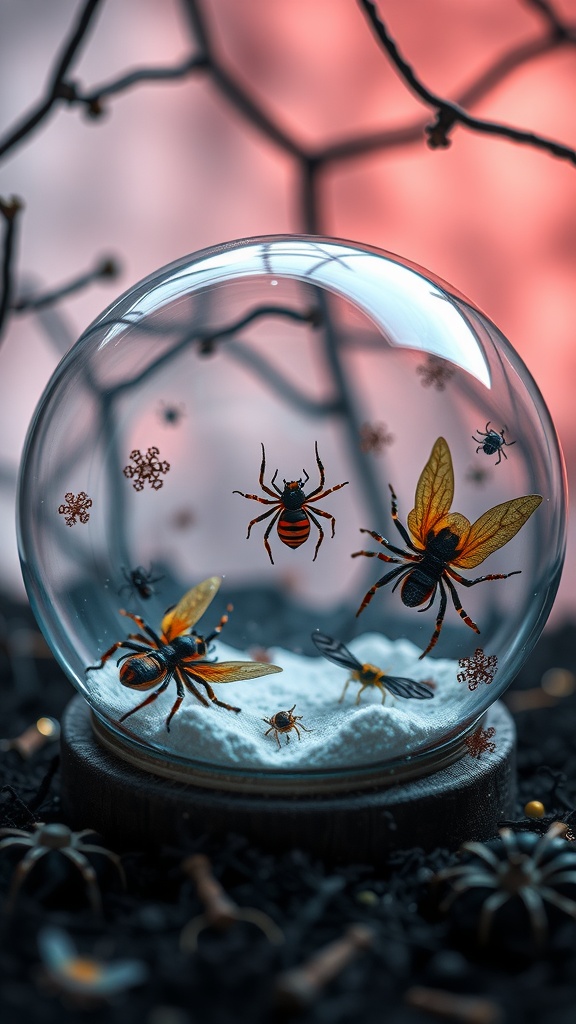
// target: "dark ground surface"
[[232, 976]]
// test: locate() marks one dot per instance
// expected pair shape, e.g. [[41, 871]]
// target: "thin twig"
[[557, 27], [57, 88], [234, 92], [106, 267], [448, 114], [92, 100], [9, 210]]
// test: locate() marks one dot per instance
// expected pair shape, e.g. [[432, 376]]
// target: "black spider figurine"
[[520, 879], [492, 442], [139, 581], [57, 838]]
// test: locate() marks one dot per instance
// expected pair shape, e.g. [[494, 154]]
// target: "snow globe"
[[291, 517]]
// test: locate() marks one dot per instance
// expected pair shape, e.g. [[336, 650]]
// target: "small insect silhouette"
[[139, 581], [443, 539], [179, 653], [290, 509], [284, 722], [172, 414], [492, 442], [368, 675]]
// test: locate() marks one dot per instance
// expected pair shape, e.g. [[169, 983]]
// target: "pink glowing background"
[[173, 167]]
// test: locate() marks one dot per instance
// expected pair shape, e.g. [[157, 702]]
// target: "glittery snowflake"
[[479, 742], [374, 437], [435, 373], [479, 668], [76, 508], [147, 468]]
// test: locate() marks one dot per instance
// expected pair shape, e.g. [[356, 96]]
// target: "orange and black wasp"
[[179, 653], [443, 541], [368, 675], [290, 509]]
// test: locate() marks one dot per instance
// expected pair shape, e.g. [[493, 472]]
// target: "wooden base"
[[131, 807]]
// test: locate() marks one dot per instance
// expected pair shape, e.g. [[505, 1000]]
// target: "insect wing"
[[335, 651], [434, 494], [231, 671], [494, 529], [190, 608], [407, 688]]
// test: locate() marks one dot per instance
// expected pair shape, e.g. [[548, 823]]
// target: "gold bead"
[[534, 809]]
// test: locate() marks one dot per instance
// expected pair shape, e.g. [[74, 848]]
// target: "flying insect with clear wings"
[[179, 653], [368, 675], [443, 541]]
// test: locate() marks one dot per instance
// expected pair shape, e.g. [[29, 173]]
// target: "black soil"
[[233, 975]]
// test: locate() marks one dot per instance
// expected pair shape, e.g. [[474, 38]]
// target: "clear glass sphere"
[[387, 452]]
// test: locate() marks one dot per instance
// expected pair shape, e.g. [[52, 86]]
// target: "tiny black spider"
[[491, 442], [140, 582], [172, 414]]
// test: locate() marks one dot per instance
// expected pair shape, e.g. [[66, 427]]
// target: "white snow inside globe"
[[291, 506]]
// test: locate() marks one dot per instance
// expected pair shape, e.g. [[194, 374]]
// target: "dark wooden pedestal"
[[131, 807]]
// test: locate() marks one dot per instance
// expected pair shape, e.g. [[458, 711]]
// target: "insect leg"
[[439, 620], [391, 547], [379, 583], [190, 686], [264, 515], [360, 692], [221, 624], [275, 731], [110, 652], [319, 528], [318, 489], [149, 699], [399, 526], [500, 456], [458, 606], [256, 497], [303, 726], [274, 484], [268, 532], [324, 493], [261, 478], [377, 554], [179, 698], [481, 579], [346, 685], [140, 622], [198, 678]]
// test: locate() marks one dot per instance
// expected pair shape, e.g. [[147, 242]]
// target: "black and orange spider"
[[284, 722], [443, 539], [290, 510], [179, 653]]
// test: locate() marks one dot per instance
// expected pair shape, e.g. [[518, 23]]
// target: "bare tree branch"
[[232, 89], [57, 88], [448, 114], [92, 100], [106, 267], [9, 210]]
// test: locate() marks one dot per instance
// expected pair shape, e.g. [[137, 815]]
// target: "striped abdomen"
[[293, 527]]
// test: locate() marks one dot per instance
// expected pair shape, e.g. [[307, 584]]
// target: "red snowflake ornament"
[[374, 437], [479, 742], [146, 470], [435, 373], [76, 508], [479, 668]]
